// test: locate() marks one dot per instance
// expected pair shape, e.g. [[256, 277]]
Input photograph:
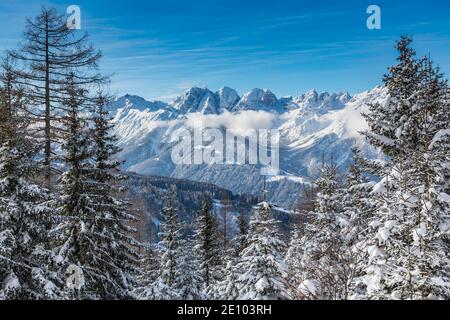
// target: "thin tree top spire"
[[264, 191]]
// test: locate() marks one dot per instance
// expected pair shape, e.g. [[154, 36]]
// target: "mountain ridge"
[[312, 126], [206, 101]]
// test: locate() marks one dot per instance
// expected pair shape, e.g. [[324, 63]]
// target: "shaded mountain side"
[[148, 195]]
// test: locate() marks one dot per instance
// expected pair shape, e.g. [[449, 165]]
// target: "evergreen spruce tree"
[[25, 216], [262, 264], [148, 272], [50, 57], [358, 210], [166, 284], [407, 242], [326, 263], [228, 289], [389, 240], [208, 247], [293, 263], [116, 258], [388, 122], [81, 248], [427, 275], [189, 282], [241, 241]]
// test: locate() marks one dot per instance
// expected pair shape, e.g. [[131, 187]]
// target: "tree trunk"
[[48, 147]]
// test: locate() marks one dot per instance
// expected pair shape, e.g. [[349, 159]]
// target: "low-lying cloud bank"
[[244, 120]]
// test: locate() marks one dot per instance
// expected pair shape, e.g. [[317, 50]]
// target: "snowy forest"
[[378, 231]]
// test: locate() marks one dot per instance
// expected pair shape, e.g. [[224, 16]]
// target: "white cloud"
[[244, 120]]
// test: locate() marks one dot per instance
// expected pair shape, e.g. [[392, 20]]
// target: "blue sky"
[[158, 49]]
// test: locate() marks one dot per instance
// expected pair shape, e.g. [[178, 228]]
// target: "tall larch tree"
[[49, 55]]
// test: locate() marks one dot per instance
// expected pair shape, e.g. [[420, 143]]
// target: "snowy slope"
[[135, 102], [311, 126], [260, 99], [205, 101]]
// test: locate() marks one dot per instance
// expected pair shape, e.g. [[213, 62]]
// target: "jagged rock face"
[[227, 98], [311, 126], [197, 100], [324, 101], [135, 102], [205, 101], [259, 99]]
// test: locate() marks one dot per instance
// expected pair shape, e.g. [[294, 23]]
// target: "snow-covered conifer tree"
[[408, 243], [165, 286], [427, 265], [241, 241], [82, 244], [228, 288], [325, 264], [116, 258], [261, 264], [25, 217], [358, 210], [208, 248], [294, 257], [189, 282], [148, 272]]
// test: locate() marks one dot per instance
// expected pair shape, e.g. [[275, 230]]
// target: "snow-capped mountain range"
[[312, 126]]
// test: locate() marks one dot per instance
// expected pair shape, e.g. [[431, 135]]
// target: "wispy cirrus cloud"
[[154, 46]]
